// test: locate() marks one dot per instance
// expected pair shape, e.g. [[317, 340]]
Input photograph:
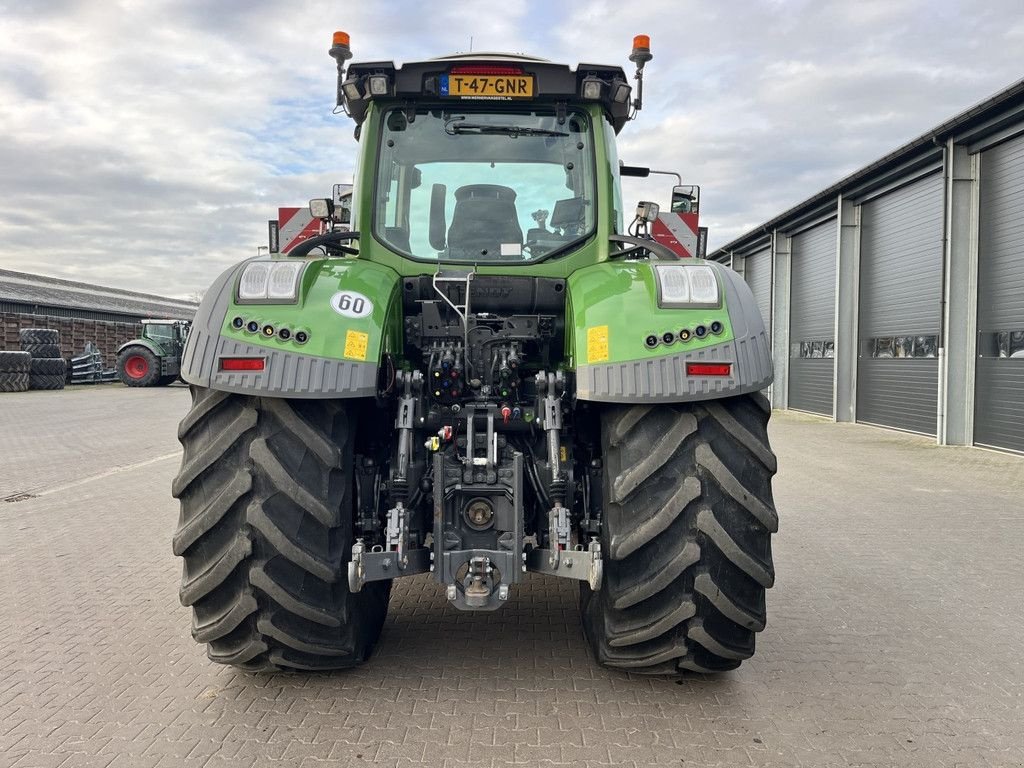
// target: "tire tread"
[[687, 528], [262, 486]]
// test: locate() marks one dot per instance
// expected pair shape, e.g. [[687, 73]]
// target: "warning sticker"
[[597, 344], [356, 343]]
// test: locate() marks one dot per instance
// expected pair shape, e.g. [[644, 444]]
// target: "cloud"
[[147, 143]]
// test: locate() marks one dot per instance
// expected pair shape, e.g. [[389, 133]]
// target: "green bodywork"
[[314, 314], [618, 298], [159, 344]]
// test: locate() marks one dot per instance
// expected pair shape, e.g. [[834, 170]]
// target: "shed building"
[[108, 317], [895, 297]]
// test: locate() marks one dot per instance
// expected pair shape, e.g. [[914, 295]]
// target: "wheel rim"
[[136, 366]]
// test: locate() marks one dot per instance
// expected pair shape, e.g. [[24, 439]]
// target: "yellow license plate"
[[488, 86]]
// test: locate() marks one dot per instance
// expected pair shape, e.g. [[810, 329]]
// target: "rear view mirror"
[[344, 212], [438, 223], [685, 198]]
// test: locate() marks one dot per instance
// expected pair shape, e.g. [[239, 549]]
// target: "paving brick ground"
[[894, 639]]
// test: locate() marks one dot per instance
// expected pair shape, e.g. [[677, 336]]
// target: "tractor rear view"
[[488, 375]]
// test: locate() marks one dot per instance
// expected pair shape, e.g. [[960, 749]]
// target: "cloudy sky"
[[145, 143]]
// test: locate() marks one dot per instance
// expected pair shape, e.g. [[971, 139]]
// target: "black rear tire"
[[14, 382], [266, 490], [41, 350], [46, 381], [687, 530], [48, 366], [15, 362], [128, 365], [38, 336]]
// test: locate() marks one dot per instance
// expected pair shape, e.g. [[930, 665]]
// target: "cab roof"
[[554, 83]]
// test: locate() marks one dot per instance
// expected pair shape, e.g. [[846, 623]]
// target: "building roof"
[[980, 118], [42, 291]]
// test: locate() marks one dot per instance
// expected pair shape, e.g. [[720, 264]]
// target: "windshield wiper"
[[455, 126]]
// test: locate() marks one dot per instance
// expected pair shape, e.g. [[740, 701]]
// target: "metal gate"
[[757, 271], [812, 304], [900, 311], [999, 382]]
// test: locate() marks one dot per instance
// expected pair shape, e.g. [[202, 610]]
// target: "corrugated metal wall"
[[928, 257], [812, 319], [757, 271], [900, 312], [999, 395]]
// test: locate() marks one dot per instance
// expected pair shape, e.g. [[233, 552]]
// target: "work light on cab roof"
[[490, 77]]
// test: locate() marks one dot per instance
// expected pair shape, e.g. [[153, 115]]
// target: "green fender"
[[348, 309], [613, 308], [152, 346]]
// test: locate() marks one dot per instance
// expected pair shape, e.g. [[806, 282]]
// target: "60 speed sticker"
[[351, 304]]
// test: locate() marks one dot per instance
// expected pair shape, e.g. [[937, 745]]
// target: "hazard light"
[[242, 363], [340, 49], [708, 369], [340, 52], [640, 56]]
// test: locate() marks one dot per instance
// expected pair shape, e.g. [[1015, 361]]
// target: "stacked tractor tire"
[[14, 371], [44, 366]]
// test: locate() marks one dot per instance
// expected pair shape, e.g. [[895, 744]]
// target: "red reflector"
[[708, 369], [242, 363], [485, 69]]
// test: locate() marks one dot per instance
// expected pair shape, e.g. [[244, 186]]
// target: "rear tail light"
[[708, 369], [242, 363]]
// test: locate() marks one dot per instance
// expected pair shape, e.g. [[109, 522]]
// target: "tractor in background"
[[154, 359]]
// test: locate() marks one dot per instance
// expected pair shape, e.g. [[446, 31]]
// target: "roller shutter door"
[[999, 396], [812, 304], [900, 312], [757, 271]]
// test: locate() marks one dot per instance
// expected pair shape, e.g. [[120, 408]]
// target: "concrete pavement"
[[894, 637]]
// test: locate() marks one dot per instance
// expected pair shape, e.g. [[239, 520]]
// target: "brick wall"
[[74, 333]]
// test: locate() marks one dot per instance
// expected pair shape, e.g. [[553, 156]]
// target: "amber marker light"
[[340, 50]]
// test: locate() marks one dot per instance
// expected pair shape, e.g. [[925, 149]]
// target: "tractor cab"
[[487, 159], [170, 335]]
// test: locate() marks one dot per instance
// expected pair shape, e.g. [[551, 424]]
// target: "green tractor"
[[154, 360], [490, 375]]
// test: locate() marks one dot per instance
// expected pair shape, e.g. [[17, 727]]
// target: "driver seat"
[[484, 218]]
